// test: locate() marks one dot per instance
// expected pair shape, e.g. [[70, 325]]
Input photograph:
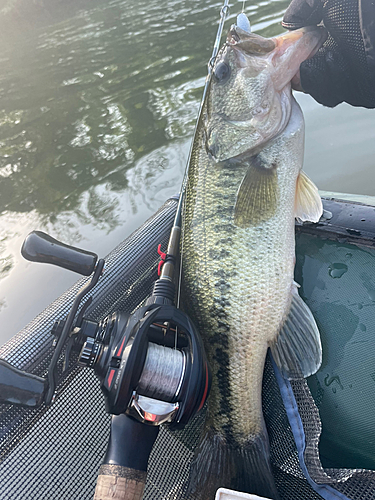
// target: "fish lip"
[[294, 37], [233, 37], [236, 36], [249, 42]]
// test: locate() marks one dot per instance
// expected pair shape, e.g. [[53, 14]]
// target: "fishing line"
[[179, 218]]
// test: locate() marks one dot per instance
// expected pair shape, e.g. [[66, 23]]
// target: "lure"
[[243, 22]]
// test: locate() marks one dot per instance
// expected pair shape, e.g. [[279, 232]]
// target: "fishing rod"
[[147, 374], [123, 476], [151, 364]]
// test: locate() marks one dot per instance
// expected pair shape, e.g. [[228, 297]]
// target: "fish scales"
[[245, 187], [240, 278]]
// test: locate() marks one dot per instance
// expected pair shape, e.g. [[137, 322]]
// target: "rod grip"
[[41, 247], [116, 482], [122, 476]]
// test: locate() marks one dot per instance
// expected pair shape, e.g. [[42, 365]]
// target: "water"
[[337, 270], [97, 107]]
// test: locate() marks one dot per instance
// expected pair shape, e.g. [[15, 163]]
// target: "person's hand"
[[344, 68]]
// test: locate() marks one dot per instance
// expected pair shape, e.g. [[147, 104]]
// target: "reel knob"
[[40, 247], [89, 353]]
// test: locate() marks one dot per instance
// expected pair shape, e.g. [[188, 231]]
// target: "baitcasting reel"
[[151, 364], [142, 372]]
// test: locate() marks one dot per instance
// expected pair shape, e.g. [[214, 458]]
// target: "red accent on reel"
[[204, 397], [110, 378]]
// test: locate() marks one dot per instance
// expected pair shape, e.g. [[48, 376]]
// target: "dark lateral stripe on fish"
[[218, 347], [223, 273], [222, 302], [258, 194], [224, 241], [221, 356], [222, 285]]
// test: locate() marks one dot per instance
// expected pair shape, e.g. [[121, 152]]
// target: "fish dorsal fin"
[[297, 350], [308, 204], [257, 195]]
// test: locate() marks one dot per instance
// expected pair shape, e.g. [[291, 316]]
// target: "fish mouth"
[[255, 44], [251, 43]]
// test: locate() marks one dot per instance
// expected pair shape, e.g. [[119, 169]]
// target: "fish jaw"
[[249, 101], [292, 49]]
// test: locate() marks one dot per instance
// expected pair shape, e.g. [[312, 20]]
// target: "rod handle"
[[122, 475], [116, 482], [41, 247]]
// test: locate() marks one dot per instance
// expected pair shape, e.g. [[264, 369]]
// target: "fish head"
[[250, 100]]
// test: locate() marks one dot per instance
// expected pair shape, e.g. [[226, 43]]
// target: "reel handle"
[[40, 247]]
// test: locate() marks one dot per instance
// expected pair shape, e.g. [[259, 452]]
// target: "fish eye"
[[222, 72]]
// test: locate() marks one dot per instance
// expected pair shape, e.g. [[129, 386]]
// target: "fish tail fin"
[[222, 463]]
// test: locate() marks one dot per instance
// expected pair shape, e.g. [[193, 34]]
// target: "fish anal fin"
[[308, 204], [297, 350], [257, 195]]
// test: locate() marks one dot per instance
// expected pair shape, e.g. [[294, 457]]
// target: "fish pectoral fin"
[[257, 195], [297, 350], [308, 204]]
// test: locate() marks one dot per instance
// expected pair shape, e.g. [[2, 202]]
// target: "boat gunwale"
[[344, 221]]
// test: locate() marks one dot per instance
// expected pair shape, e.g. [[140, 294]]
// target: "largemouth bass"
[[245, 188]]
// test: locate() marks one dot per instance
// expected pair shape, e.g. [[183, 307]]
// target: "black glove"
[[344, 68]]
